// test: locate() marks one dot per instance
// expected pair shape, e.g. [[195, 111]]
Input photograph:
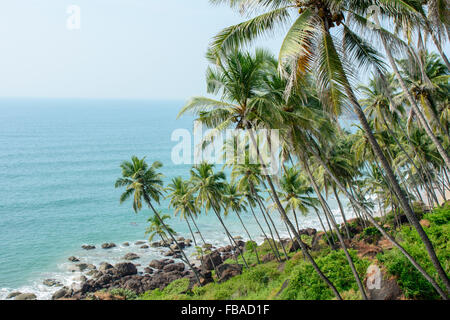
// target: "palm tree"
[[144, 184], [156, 228], [209, 187], [182, 201], [429, 89]]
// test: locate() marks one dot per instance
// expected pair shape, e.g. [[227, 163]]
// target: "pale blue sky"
[[140, 49]]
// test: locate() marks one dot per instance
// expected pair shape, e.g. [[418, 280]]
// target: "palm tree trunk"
[[323, 226], [278, 235], [204, 242], [291, 226], [264, 234], [248, 234], [190, 230], [176, 242], [263, 210], [342, 212], [229, 235]]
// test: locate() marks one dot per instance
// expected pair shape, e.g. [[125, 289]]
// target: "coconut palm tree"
[[209, 187], [182, 201], [145, 185], [156, 228]]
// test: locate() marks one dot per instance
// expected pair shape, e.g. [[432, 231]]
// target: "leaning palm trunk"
[[342, 212], [248, 234], [177, 244], [278, 235], [204, 243], [323, 226], [190, 230], [264, 234], [263, 210], [341, 239], [381, 229], [230, 237], [289, 223]]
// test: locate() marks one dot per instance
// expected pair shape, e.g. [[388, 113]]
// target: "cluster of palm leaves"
[[397, 154]]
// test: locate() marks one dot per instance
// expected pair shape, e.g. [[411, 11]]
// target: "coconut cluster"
[[322, 10]]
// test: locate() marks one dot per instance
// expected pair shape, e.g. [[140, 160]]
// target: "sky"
[[126, 49]]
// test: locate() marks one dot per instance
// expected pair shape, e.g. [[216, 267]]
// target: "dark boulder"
[[131, 256], [88, 247], [108, 245], [211, 260], [73, 259], [174, 267], [125, 269], [104, 267], [227, 271]]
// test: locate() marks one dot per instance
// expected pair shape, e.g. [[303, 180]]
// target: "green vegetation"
[[412, 282]]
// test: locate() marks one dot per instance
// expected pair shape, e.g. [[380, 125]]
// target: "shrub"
[[306, 284], [413, 284]]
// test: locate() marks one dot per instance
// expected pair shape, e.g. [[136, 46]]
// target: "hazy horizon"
[[134, 49]]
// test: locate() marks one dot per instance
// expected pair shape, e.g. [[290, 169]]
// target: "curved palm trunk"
[[323, 226], [263, 210], [341, 239], [190, 230], [382, 231], [274, 227], [264, 234], [289, 223], [176, 242], [233, 242], [342, 212], [204, 242], [278, 235], [248, 234]]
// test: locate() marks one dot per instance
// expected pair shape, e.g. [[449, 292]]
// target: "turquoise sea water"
[[58, 163]]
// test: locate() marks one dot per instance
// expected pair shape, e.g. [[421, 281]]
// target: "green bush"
[[413, 284], [371, 235], [127, 294], [306, 284]]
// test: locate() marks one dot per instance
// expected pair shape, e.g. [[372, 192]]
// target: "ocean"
[[59, 160]]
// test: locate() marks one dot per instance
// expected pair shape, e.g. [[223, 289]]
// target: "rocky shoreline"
[[125, 275]]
